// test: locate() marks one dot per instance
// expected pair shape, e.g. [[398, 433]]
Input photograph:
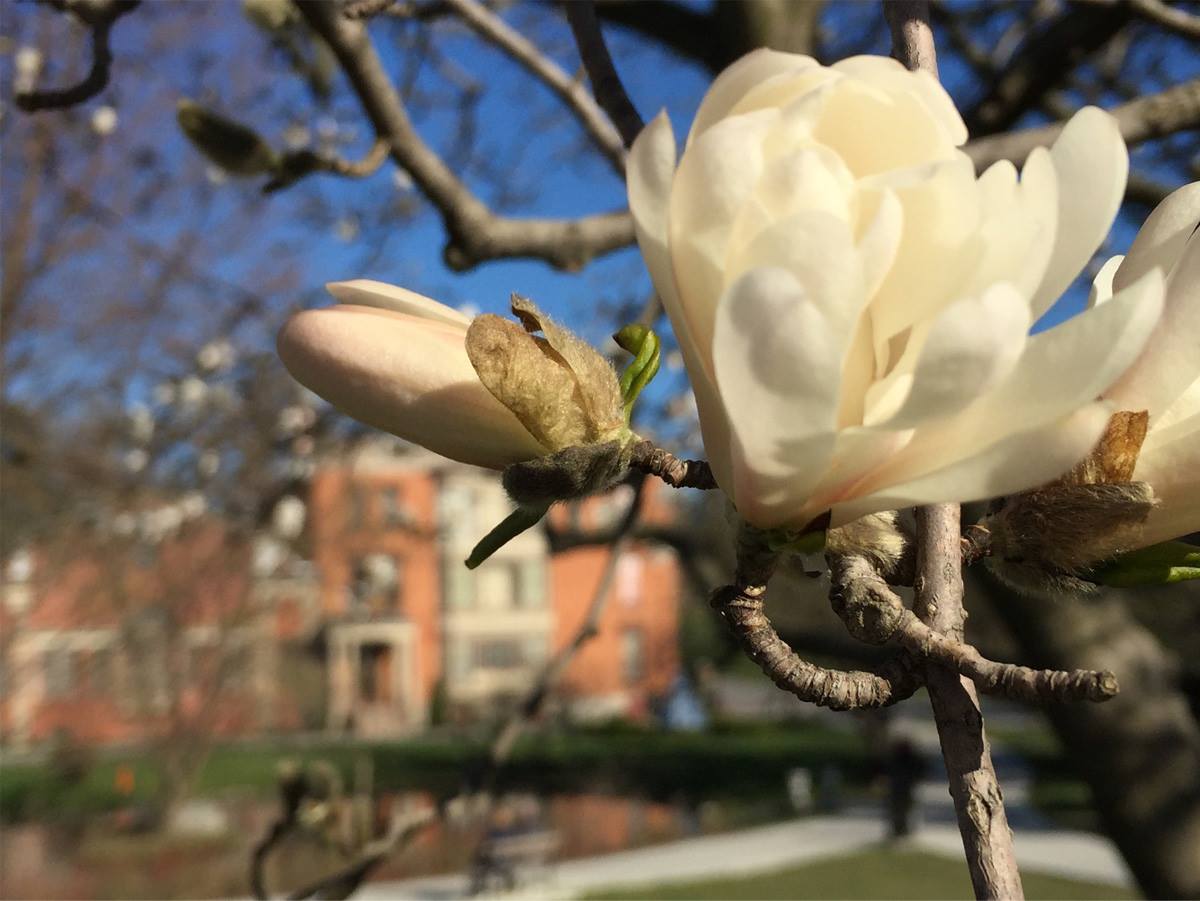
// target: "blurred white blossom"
[[287, 519], [208, 463], [193, 505], [141, 423], [135, 460], [296, 136], [104, 121], [27, 65], [293, 419], [215, 356], [192, 392]]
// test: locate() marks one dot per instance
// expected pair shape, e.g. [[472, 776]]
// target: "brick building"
[[406, 622], [365, 623]]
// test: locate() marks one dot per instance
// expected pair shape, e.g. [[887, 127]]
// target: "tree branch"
[[301, 163], [874, 614], [740, 605], [912, 35], [653, 460], [982, 821], [476, 234], [1178, 20], [1043, 62], [99, 15], [1153, 116], [595, 122], [606, 83]]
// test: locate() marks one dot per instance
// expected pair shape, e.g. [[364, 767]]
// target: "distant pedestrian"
[[905, 767]]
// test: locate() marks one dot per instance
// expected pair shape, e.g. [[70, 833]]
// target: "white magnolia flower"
[[853, 303], [398, 361], [1165, 379]]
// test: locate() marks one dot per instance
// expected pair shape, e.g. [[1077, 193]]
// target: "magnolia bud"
[[234, 147], [1048, 540]]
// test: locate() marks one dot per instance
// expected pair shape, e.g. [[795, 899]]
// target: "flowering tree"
[[851, 287]]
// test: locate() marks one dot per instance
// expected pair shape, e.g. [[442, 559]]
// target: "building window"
[[500, 654], [633, 664], [375, 673], [630, 569], [101, 678], [396, 513], [459, 585], [58, 670], [531, 583], [374, 587], [356, 508], [496, 586]]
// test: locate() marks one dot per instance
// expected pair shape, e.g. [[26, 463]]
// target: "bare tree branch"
[[99, 15], [1153, 116], [606, 83], [301, 163], [982, 820], [476, 234], [594, 120], [912, 36], [1172, 17], [1042, 62], [874, 614]]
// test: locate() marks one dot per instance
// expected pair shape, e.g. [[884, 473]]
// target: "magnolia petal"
[[1171, 360], [736, 80], [1017, 462], [1102, 284], [938, 245], [650, 171], [876, 131], [890, 73], [716, 177], [1060, 371], [1170, 461], [1037, 194], [970, 347], [774, 351], [1092, 165], [364, 292], [1161, 238], [406, 375]]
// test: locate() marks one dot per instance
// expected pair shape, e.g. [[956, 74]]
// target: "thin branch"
[[1175, 109], [912, 35], [100, 16], [476, 234], [740, 605], [873, 613], [982, 820], [572, 92], [302, 163], [1178, 20], [653, 460], [606, 83]]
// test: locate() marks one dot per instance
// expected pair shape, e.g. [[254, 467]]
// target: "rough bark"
[[978, 802], [1140, 752]]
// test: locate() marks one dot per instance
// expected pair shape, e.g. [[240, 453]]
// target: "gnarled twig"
[[653, 460], [100, 17], [873, 613], [606, 83]]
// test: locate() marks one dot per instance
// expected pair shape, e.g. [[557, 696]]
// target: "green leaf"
[[520, 520], [1159, 564], [643, 343]]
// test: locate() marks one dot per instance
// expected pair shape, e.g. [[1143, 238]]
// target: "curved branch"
[[595, 122], [476, 234], [606, 83], [299, 164], [1153, 116], [873, 613], [100, 17]]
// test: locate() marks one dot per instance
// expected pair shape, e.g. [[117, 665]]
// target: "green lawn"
[[878, 873]]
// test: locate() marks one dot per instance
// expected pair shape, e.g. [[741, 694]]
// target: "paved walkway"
[[1039, 845], [1079, 855]]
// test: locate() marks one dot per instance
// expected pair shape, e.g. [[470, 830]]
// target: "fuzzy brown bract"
[[563, 391]]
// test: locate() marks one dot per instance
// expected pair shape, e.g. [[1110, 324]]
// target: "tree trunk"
[[1139, 752]]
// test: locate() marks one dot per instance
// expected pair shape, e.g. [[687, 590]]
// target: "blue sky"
[[289, 244]]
